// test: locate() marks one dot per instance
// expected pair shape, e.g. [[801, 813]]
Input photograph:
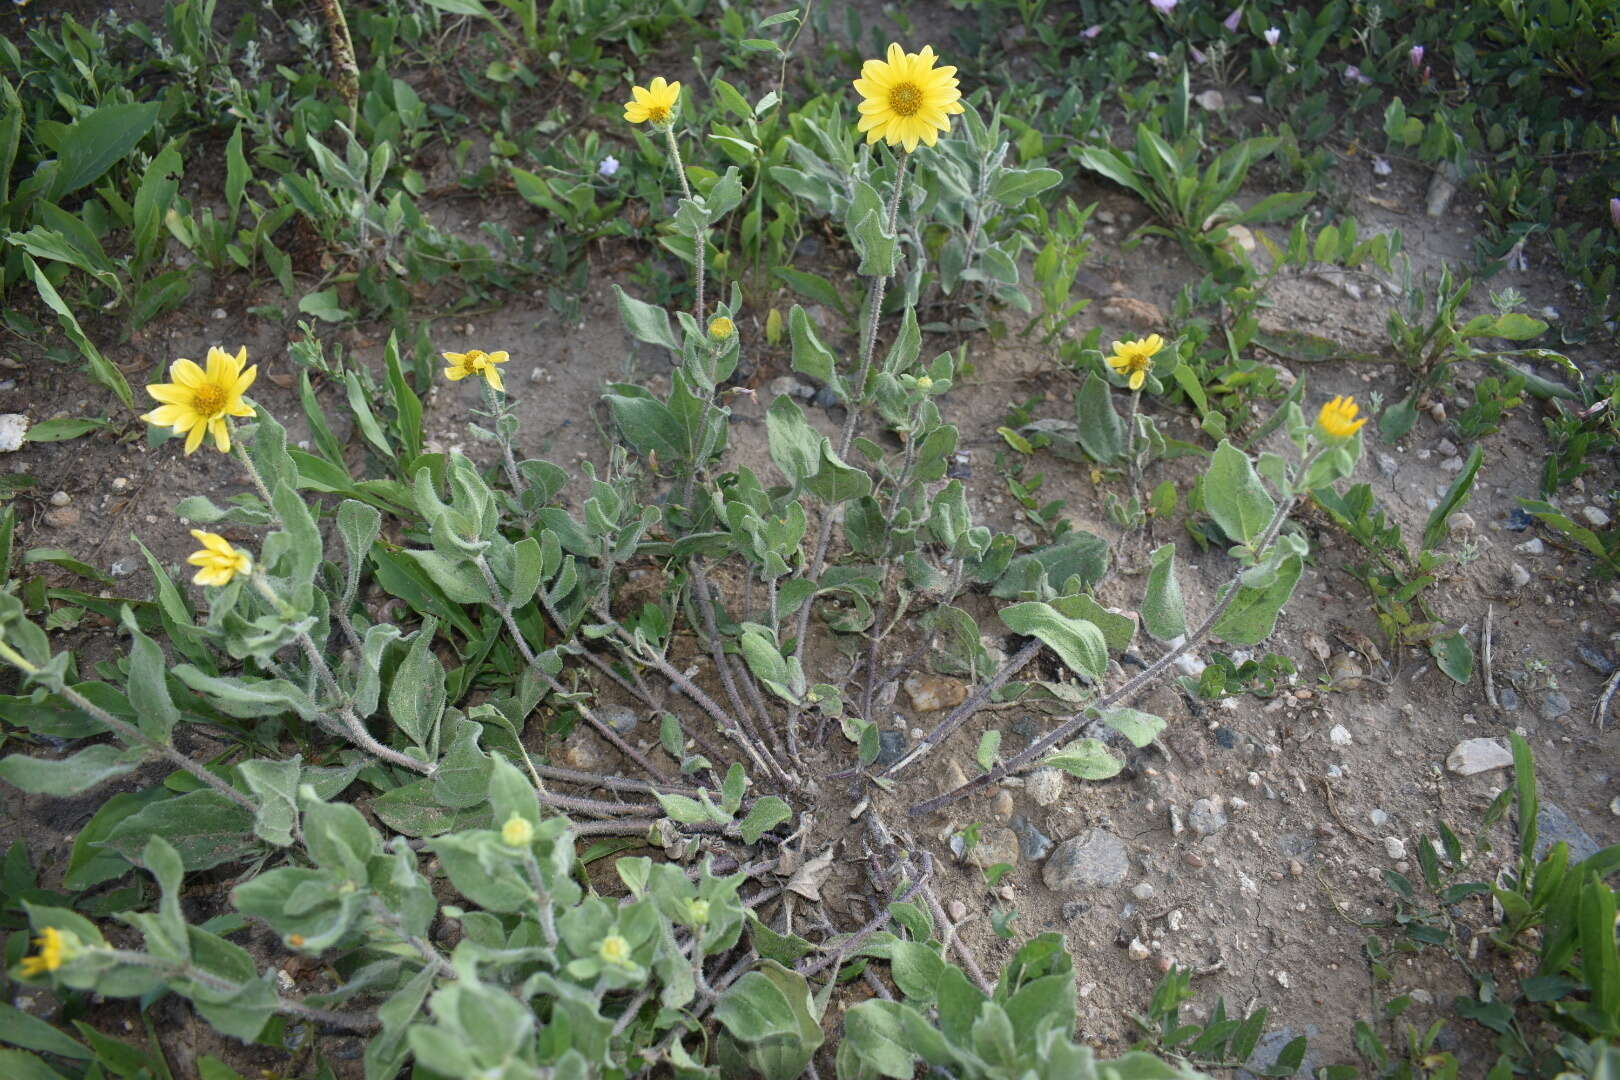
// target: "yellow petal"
[[222, 435], [195, 438], [245, 380], [170, 393], [1138, 377], [166, 415], [499, 357], [455, 374], [494, 377], [187, 373]]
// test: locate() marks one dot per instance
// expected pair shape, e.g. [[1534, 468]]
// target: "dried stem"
[[963, 712], [503, 607], [1031, 754]]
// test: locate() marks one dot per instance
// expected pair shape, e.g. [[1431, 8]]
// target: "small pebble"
[[61, 498], [956, 910], [1143, 891], [1595, 517], [1340, 735], [1138, 951], [1533, 546], [1378, 818], [1193, 859], [1519, 576], [1394, 847]]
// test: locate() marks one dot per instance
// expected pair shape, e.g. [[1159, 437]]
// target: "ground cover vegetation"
[[352, 715]]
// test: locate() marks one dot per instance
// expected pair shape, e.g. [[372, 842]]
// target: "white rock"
[[1045, 786], [1143, 891], [13, 426], [1394, 847], [1519, 576], [60, 498], [1594, 516], [1138, 951], [1340, 735], [1473, 756], [1533, 546]]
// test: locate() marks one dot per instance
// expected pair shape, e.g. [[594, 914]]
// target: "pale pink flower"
[[1272, 36], [1231, 21]]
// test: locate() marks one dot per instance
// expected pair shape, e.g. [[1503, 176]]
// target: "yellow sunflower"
[[721, 328], [1338, 418], [55, 949], [197, 402], [219, 562], [905, 99], [1135, 358], [653, 104], [476, 362]]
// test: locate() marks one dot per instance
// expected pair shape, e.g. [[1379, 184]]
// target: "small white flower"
[[1273, 35], [609, 166]]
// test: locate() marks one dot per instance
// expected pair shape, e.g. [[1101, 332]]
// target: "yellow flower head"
[[1135, 358], [517, 832], [905, 99], [1337, 420], [721, 328], [56, 947], [218, 560], [197, 401], [476, 362], [699, 912], [614, 950], [925, 382], [653, 104]]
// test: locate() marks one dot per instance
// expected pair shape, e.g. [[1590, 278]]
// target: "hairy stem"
[[131, 734], [347, 1021]]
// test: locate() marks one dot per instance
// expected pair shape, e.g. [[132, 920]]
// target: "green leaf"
[[31, 1033], [837, 482], [1253, 613], [204, 826], [1234, 495], [275, 784], [755, 1009], [1118, 631], [101, 369], [767, 814], [1164, 612], [1139, 727], [95, 142], [1454, 656], [1077, 642], [63, 428], [646, 322], [1087, 759], [1456, 496], [1100, 429], [989, 749], [325, 305], [810, 356], [88, 768], [794, 445], [649, 425], [1012, 187]]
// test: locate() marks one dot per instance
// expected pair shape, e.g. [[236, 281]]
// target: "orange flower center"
[[209, 400], [905, 99], [658, 114]]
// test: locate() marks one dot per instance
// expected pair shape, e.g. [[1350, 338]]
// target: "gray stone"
[[1379, 818], [825, 399], [787, 385], [1595, 660], [1206, 817], [1533, 546], [930, 693], [1033, 843], [1473, 756], [1551, 705], [1508, 698], [1519, 576], [1095, 859], [1553, 825], [1387, 465], [1073, 909], [1394, 847], [619, 717], [1595, 517], [891, 744]]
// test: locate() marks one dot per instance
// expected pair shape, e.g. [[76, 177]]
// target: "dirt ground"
[[1317, 791]]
